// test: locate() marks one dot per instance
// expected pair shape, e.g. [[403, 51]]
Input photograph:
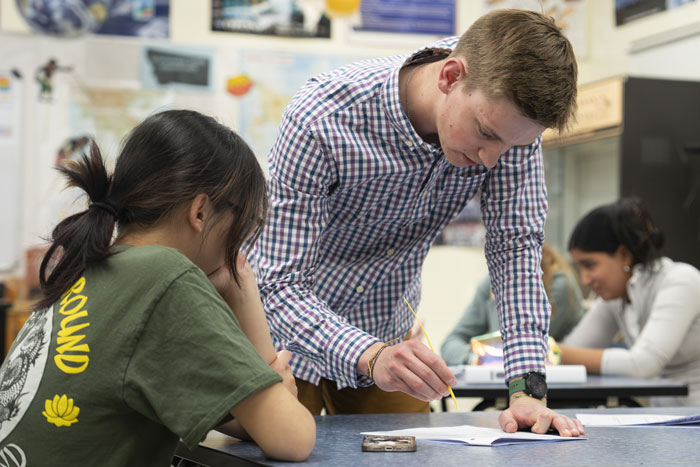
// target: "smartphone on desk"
[[378, 443]]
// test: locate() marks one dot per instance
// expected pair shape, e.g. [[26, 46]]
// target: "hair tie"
[[106, 206]]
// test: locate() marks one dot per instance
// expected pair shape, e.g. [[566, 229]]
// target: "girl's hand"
[[223, 281], [244, 301], [281, 366]]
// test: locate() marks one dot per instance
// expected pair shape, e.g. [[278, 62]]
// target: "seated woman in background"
[[481, 316], [151, 337], [652, 300]]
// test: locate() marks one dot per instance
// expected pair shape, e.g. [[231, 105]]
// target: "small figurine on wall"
[[44, 76], [73, 148]]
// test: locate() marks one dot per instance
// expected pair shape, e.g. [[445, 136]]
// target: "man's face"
[[474, 129]]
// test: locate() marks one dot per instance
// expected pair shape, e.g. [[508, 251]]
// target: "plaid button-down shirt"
[[357, 198]]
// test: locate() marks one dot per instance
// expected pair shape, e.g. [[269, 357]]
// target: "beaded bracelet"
[[373, 360]]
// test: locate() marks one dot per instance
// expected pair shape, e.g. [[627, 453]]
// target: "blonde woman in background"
[[481, 316]]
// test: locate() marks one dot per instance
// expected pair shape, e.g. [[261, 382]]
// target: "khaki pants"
[[351, 401]]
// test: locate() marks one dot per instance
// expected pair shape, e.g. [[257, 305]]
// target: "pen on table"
[[454, 399]]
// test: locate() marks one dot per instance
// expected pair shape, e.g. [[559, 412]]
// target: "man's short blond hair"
[[523, 56]]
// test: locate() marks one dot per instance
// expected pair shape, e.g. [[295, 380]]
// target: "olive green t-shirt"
[[139, 352]]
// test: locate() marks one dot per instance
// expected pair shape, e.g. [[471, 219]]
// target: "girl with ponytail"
[[653, 301], [150, 328]]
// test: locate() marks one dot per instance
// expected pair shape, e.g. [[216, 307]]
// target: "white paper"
[[588, 419], [480, 374], [472, 435]]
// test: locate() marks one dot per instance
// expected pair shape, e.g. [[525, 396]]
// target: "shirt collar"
[[641, 275], [390, 96]]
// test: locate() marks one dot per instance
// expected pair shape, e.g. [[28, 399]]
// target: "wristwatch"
[[533, 384]]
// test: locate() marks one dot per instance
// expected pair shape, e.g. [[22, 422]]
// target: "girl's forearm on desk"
[[591, 358]]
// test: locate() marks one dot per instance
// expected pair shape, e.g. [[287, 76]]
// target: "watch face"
[[536, 385]]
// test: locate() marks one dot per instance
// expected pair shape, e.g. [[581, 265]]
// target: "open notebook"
[[472, 435]]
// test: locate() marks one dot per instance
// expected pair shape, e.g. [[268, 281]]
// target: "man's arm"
[[514, 207], [285, 258]]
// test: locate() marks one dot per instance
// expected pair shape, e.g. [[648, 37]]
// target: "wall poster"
[[295, 18]]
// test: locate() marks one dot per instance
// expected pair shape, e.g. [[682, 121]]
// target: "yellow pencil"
[[430, 344]]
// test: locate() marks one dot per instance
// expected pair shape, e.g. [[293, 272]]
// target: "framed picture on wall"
[[139, 18], [435, 17], [570, 15], [631, 10], [291, 18]]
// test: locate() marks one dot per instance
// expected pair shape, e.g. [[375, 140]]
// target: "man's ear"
[[453, 70], [198, 212]]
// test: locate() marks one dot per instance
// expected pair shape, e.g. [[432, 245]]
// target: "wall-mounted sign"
[[185, 68], [296, 18]]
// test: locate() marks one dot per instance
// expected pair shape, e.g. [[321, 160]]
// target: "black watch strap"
[[533, 384]]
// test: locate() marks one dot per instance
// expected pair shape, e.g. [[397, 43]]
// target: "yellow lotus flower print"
[[60, 411]]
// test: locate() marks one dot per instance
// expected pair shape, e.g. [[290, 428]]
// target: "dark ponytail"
[[625, 222], [82, 238], [167, 160]]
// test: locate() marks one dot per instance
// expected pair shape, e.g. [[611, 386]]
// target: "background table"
[[338, 444], [597, 390]]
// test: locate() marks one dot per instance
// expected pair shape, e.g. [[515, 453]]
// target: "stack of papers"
[[638, 420], [472, 435], [480, 374]]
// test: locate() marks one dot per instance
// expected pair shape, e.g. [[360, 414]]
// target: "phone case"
[[374, 443]]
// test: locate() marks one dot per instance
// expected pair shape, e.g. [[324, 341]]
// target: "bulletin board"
[[10, 168]]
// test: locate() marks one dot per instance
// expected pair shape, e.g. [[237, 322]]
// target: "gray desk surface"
[[338, 444]]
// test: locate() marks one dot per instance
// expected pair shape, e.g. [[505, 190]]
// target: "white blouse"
[[660, 325]]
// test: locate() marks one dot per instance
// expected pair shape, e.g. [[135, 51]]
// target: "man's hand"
[[526, 412], [417, 330], [281, 366], [409, 367]]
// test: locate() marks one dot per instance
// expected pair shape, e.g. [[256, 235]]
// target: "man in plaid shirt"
[[372, 161]]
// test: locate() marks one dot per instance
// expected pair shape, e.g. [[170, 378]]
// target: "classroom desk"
[[338, 444], [597, 390]]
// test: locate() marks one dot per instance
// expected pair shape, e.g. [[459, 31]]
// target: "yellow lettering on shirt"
[[65, 362], [68, 340], [76, 288], [64, 310]]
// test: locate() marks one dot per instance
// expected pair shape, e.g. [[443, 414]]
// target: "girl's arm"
[[591, 358], [586, 342], [281, 366], [282, 427]]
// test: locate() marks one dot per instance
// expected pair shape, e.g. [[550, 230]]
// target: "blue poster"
[[408, 16], [141, 18]]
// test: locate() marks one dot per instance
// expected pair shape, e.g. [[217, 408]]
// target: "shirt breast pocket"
[[388, 202]]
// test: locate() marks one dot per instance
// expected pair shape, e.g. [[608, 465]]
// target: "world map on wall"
[[107, 115], [275, 77]]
